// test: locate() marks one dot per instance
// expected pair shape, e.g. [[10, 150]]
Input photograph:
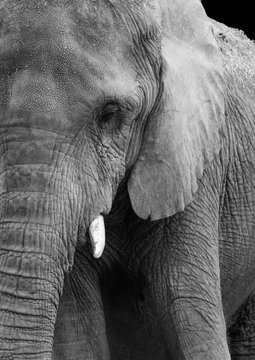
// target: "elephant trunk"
[[40, 213], [30, 284], [34, 256]]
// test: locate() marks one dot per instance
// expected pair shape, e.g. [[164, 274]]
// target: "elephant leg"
[[179, 259], [80, 328], [242, 332]]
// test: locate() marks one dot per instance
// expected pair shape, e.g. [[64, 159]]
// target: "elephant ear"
[[182, 134]]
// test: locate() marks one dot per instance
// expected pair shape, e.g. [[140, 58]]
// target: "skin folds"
[[137, 116]]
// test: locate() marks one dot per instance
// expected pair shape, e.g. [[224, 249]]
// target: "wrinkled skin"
[[142, 112]]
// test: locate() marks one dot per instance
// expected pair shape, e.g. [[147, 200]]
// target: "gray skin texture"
[[139, 111]]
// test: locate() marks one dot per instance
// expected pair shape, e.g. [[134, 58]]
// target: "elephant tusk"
[[97, 236]]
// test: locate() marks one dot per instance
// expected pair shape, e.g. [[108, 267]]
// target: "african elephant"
[[139, 115]]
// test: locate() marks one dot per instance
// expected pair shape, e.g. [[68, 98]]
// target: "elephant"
[[127, 182]]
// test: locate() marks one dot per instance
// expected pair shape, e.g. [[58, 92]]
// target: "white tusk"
[[97, 236]]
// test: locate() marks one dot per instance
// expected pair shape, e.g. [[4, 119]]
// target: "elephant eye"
[[110, 116]]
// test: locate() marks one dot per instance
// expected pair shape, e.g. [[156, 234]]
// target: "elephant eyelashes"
[[110, 117]]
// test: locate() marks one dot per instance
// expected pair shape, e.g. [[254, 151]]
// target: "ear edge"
[[176, 206]]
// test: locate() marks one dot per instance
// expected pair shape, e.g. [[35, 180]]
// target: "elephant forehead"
[[81, 48], [31, 23]]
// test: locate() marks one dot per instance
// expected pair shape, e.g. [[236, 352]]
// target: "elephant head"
[[93, 93]]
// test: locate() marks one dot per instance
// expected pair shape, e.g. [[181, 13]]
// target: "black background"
[[239, 15]]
